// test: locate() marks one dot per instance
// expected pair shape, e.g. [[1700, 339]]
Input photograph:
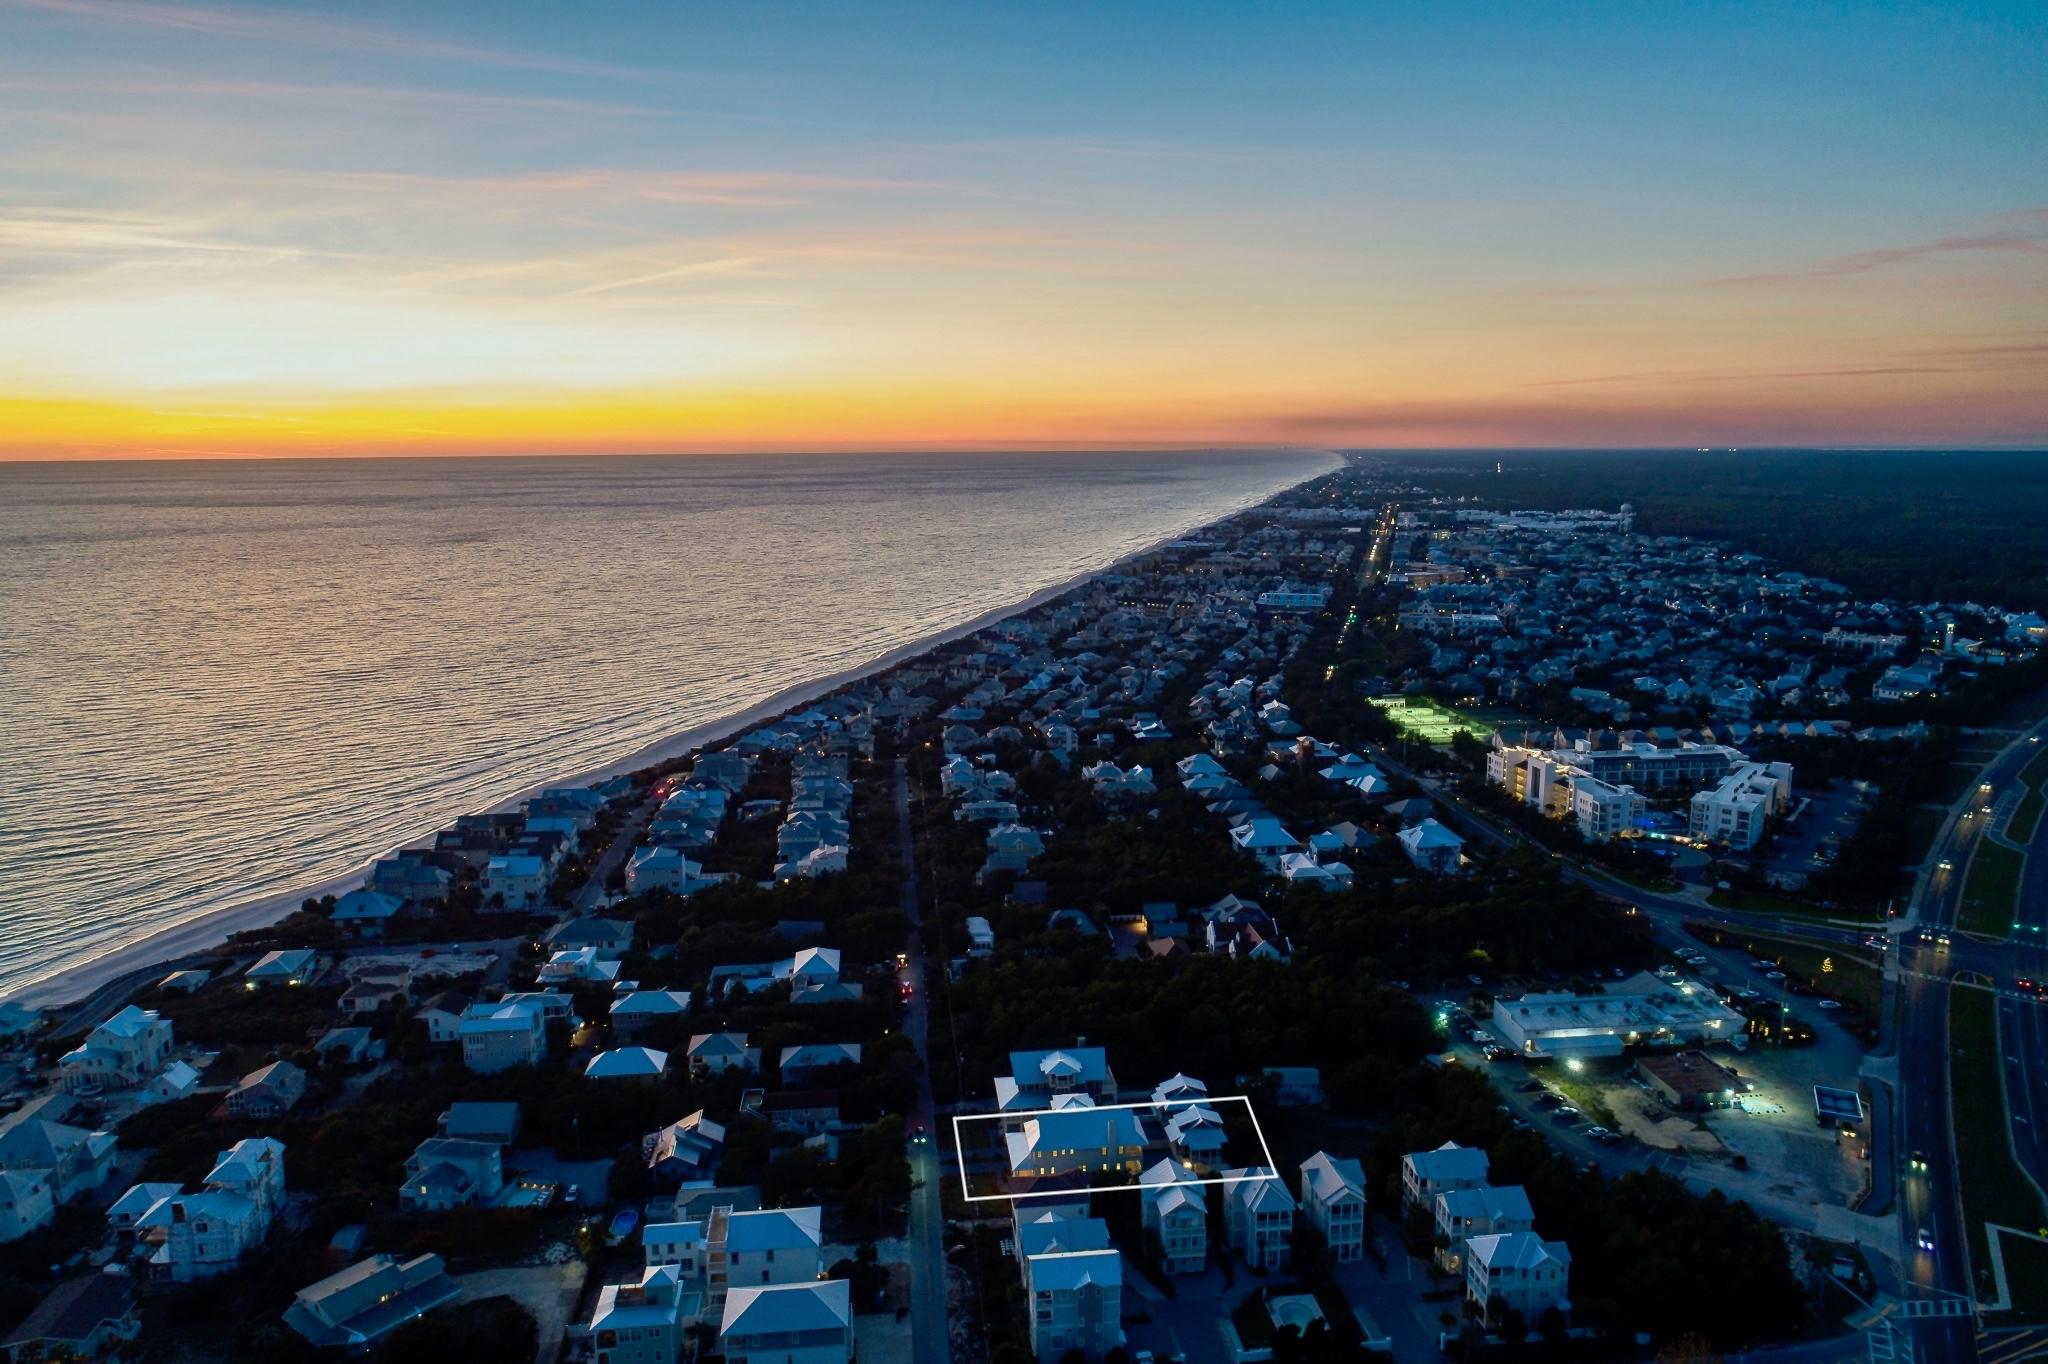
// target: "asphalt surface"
[[929, 1342]]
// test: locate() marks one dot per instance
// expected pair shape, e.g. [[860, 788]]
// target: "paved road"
[[929, 1344], [586, 897]]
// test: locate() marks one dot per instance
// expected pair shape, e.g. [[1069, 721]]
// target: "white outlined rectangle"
[[1210, 1101]]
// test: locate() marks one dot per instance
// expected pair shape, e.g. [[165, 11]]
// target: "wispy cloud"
[[2027, 234], [313, 30], [1666, 378], [65, 232], [382, 96]]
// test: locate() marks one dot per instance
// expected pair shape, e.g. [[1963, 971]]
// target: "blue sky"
[[657, 226]]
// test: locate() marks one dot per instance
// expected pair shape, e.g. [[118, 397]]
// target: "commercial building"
[[1643, 1010]]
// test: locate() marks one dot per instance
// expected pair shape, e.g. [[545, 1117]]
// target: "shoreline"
[[212, 928]]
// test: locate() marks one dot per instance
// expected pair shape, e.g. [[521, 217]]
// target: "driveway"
[[547, 1292]]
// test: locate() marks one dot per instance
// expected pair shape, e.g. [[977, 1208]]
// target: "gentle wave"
[[225, 680]]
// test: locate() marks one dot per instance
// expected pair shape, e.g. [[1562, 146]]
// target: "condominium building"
[[1736, 812]]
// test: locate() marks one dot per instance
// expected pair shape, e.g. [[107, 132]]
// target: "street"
[[927, 1217]]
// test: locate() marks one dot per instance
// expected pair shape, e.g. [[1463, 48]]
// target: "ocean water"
[[225, 680]]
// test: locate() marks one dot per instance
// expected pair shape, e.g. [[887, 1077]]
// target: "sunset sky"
[[242, 229]]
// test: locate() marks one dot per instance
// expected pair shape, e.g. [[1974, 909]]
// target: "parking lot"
[[1806, 841]]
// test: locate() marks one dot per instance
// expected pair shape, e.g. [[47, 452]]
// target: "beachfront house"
[[126, 1050], [365, 913], [289, 966]]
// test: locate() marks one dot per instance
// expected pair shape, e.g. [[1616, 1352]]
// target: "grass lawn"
[[1583, 1089], [1995, 1189], [2025, 815], [1993, 889], [1920, 834], [2026, 1280], [1853, 980], [1757, 902], [1962, 776]]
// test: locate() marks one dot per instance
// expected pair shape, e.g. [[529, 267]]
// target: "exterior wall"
[[494, 1051], [1084, 1319], [834, 1346], [1342, 1223], [25, 1205]]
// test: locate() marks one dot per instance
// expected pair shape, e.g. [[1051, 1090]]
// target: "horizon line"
[[1031, 447]]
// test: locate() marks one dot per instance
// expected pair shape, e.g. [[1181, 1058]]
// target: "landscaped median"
[[2025, 815], [1992, 890], [1995, 1189]]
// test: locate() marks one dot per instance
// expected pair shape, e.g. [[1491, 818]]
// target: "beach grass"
[[1992, 890]]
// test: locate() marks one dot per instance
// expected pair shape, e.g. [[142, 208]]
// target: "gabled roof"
[[1066, 1271], [626, 1063], [1516, 1250], [775, 1229], [788, 1308], [1487, 1203], [1449, 1162], [1050, 1234], [1324, 1177], [1258, 1189]]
